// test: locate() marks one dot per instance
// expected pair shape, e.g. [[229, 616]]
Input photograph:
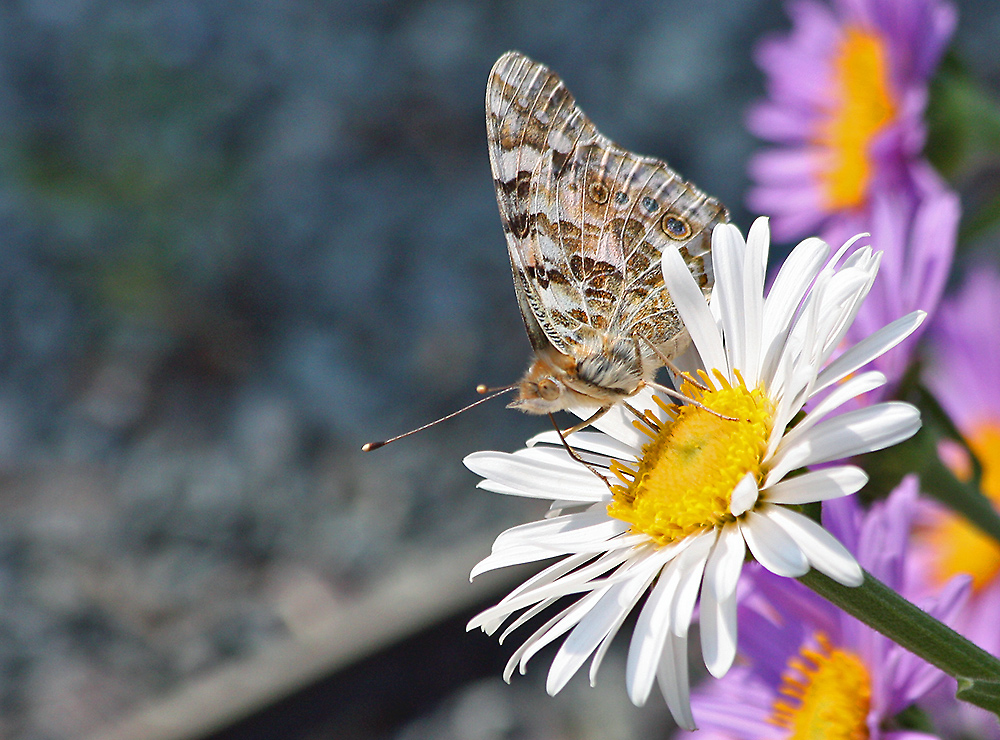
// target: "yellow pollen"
[[959, 546], [864, 105], [684, 480], [826, 695]]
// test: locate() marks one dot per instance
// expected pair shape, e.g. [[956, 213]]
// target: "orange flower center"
[[961, 547], [864, 105], [826, 694]]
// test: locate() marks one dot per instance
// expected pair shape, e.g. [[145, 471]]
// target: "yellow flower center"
[[961, 547], [684, 481], [864, 104], [827, 694]]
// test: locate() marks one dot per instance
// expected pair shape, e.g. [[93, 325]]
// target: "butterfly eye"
[[675, 227], [598, 192], [548, 389], [620, 198], [649, 204]]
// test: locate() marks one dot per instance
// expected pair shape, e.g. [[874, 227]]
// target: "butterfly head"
[[543, 388], [555, 382]]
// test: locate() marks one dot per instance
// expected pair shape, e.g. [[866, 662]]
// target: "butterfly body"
[[586, 223]]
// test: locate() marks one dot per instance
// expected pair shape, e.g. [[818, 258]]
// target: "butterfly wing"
[[532, 125], [650, 209], [586, 221]]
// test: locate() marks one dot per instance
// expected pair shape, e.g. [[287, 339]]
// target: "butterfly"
[[586, 223]]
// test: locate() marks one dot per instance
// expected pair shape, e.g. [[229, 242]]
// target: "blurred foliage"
[[963, 142]]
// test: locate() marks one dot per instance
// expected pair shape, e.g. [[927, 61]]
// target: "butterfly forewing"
[[531, 119], [586, 223]]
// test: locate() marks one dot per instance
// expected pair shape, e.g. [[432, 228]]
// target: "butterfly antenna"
[[369, 446], [482, 389]]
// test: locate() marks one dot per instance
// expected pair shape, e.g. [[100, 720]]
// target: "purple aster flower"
[[915, 224], [963, 364], [847, 88], [963, 361], [809, 669]]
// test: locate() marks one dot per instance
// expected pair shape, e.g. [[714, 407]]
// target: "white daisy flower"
[[690, 490]]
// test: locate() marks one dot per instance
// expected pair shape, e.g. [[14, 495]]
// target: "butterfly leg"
[[668, 363], [646, 419], [677, 394], [573, 453], [586, 422], [681, 397]]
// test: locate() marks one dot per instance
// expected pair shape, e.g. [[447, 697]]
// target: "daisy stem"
[[882, 609]]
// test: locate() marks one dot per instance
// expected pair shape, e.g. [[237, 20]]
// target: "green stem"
[[882, 609]]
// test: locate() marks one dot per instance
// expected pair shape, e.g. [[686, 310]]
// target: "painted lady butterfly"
[[586, 223]]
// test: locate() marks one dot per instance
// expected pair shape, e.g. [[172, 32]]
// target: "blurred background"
[[240, 238]]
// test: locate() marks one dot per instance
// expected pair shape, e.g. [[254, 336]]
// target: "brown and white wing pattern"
[[533, 126], [586, 221]]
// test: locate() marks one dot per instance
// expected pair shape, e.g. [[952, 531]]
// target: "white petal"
[[863, 430], [838, 305], [535, 479], [744, 495], [550, 574], [817, 485], [796, 274], [847, 245], [581, 580], [587, 531], [802, 338], [554, 457], [525, 534], [791, 387], [772, 547], [605, 618], [494, 487], [759, 242], [691, 306], [653, 566], [515, 554], [512, 663], [672, 675], [692, 565], [559, 459], [651, 632], [523, 618], [648, 558], [850, 388], [754, 265], [508, 558], [602, 444], [869, 348], [588, 634], [570, 620], [794, 277], [824, 552], [551, 631], [718, 601], [727, 260]]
